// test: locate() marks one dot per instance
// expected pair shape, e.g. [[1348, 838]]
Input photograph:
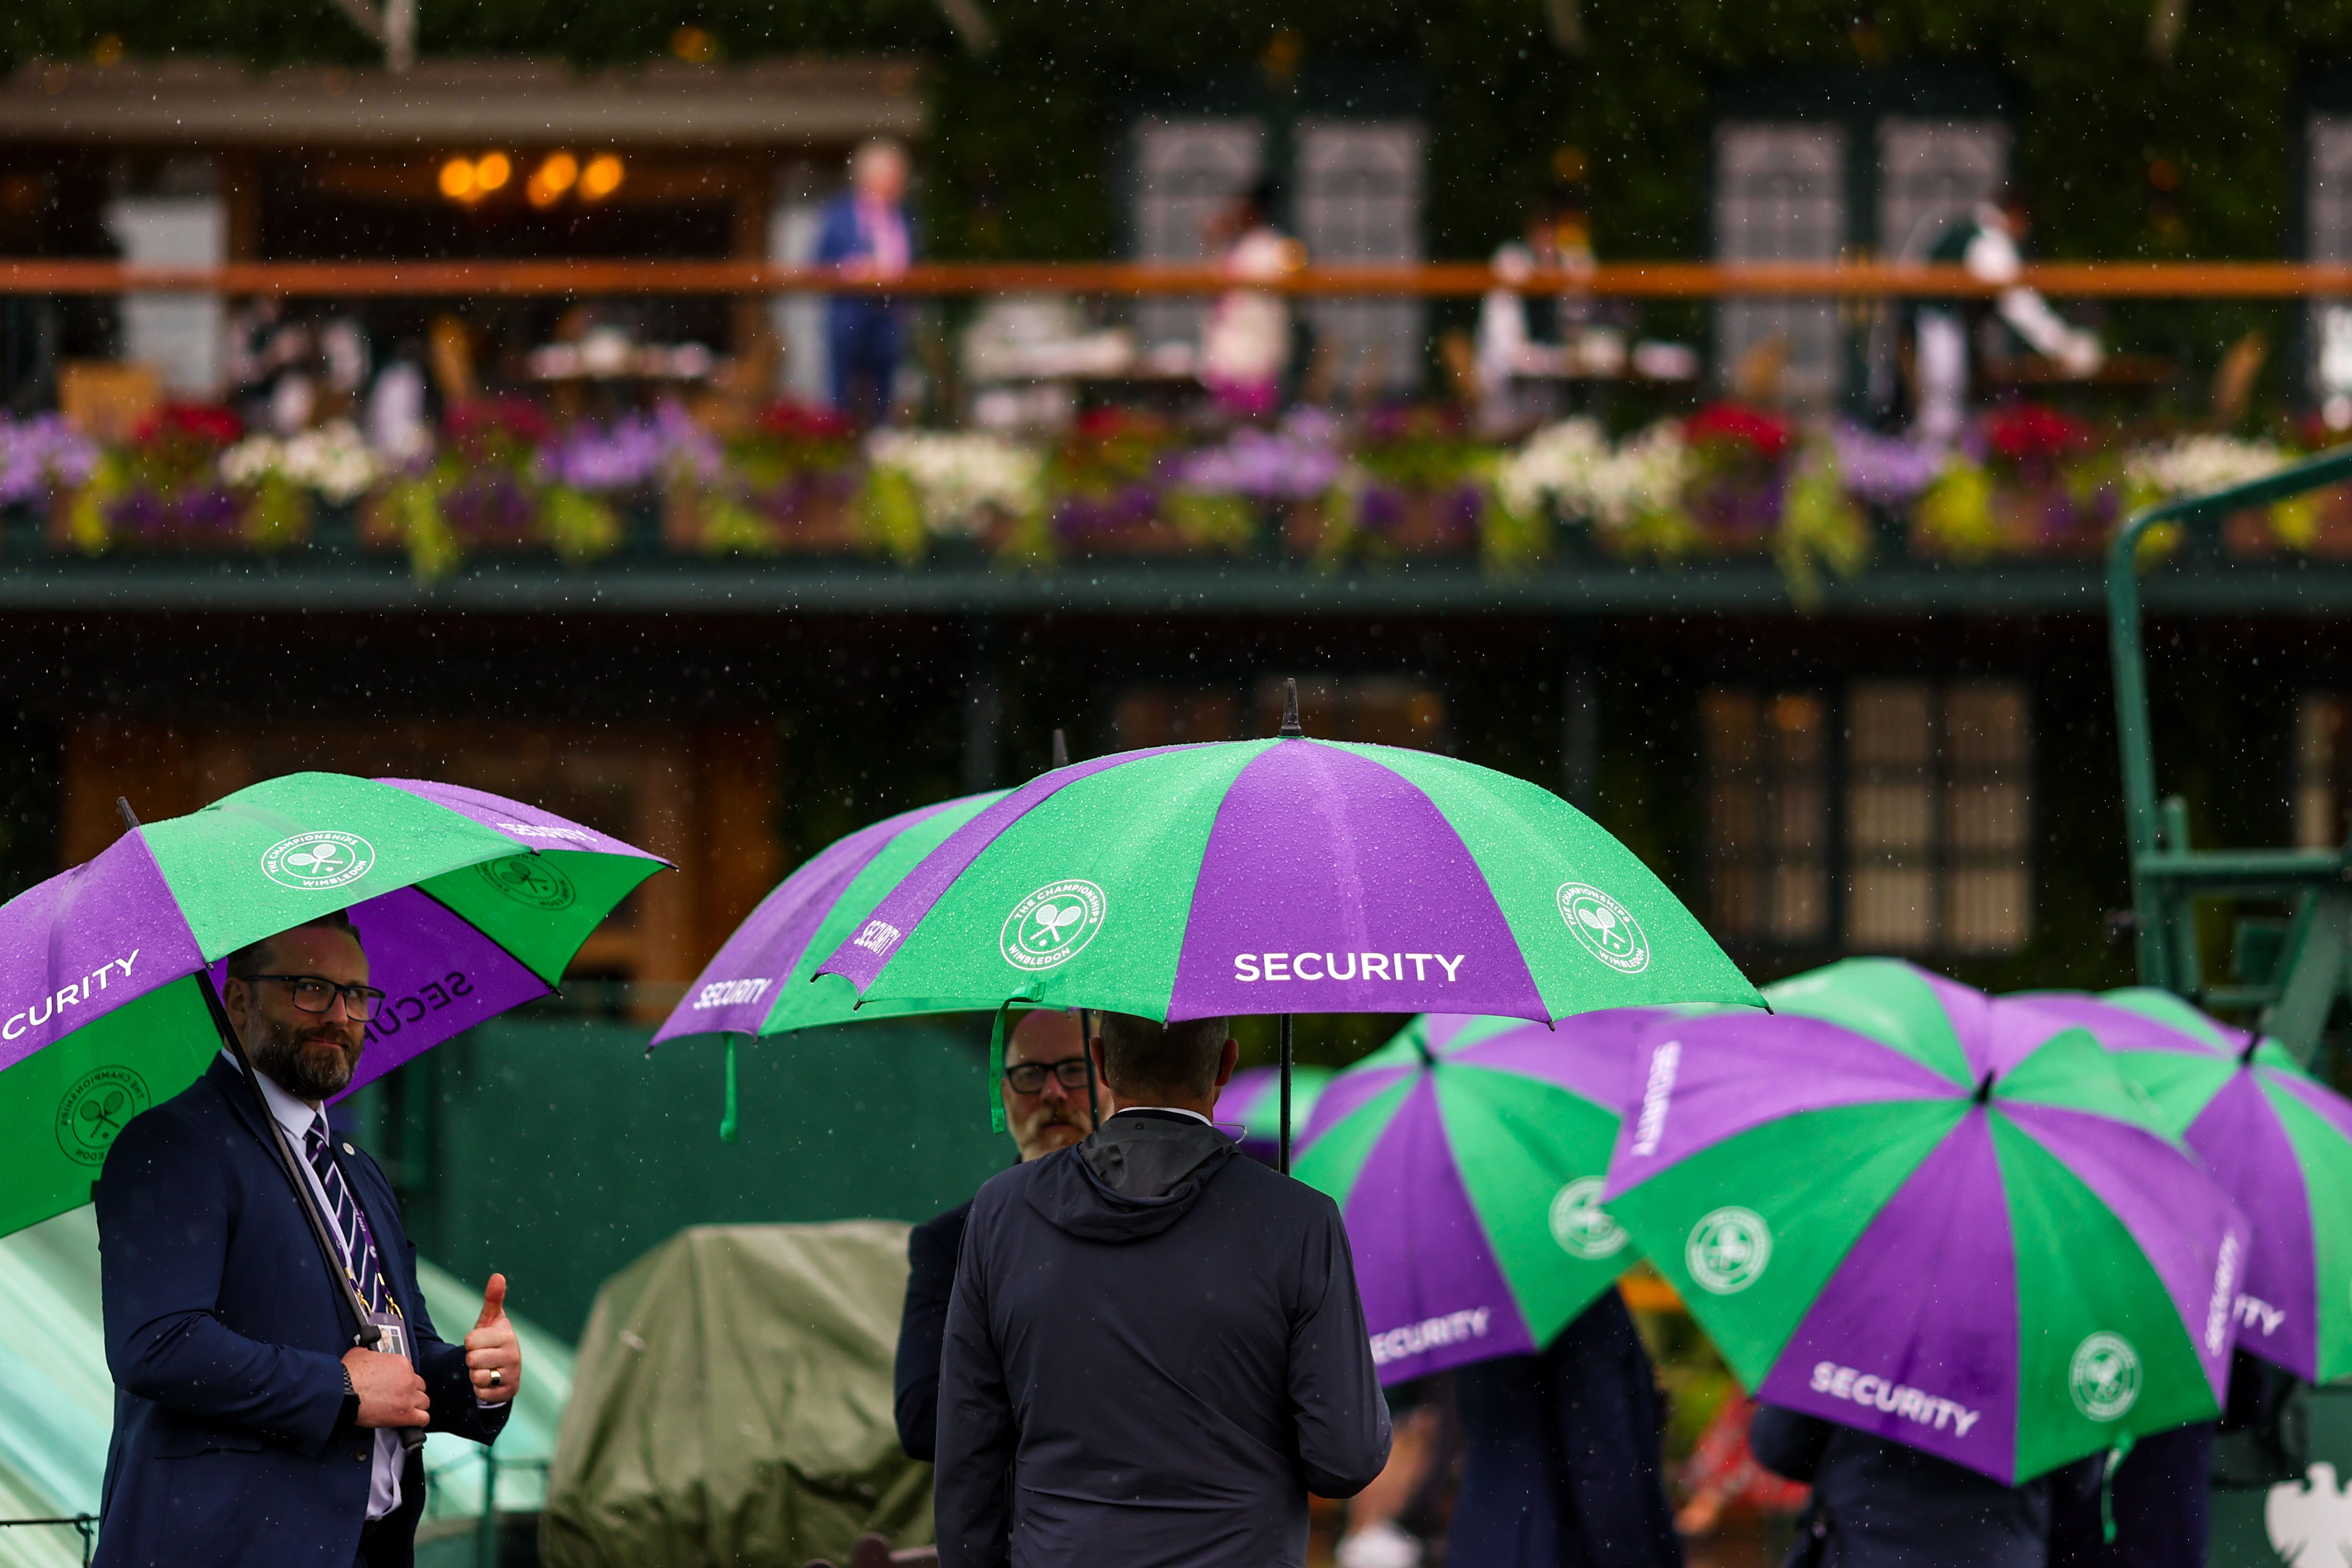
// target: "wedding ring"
[[497, 1377]]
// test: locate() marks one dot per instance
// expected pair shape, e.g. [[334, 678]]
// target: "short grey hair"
[[1144, 1059]]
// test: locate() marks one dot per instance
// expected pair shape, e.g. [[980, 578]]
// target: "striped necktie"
[[350, 1226]]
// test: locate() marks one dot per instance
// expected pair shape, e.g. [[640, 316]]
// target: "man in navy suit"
[[866, 235], [251, 1425]]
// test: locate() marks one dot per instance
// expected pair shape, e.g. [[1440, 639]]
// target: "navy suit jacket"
[[225, 1334], [839, 239]]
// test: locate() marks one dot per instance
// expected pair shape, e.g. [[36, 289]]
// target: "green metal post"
[[485, 1538]]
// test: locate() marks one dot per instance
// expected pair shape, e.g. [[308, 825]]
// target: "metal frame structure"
[[2294, 985]]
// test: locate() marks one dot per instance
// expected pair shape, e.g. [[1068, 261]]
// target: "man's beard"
[[302, 1072]]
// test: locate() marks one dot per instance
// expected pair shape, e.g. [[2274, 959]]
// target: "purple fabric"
[[2239, 1136], [912, 899], [1434, 1297], [2121, 1028], [439, 974], [86, 941], [1970, 1011], [1729, 1073], [2173, 1208], [1591, 1055], [2322, 1101], [1915, 1335], [528, 826], [1349, 1093], [776, 937], [1320, 854]]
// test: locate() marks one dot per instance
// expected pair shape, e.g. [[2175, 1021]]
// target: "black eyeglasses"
[[1029, 1077], [315, 994]]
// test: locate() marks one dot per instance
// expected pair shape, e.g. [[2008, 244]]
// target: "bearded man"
[[252, 1425]]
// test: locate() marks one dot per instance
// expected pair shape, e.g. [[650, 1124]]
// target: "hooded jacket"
[[1154, 1351]]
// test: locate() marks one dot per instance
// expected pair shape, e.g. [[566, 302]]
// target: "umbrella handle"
[[1285, 1094]]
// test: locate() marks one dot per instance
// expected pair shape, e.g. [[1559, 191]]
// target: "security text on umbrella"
[[1256, 966], [1895, 1398], [65, 996]]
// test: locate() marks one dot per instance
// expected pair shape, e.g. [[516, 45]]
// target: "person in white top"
[[1246, 347], [1986, 245]]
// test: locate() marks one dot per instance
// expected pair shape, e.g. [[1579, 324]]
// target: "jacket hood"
[[1134, 1177]]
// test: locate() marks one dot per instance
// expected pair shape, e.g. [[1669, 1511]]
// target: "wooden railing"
[[1623, 279]]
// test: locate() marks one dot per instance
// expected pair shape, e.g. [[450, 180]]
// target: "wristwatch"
[[350, 1414]]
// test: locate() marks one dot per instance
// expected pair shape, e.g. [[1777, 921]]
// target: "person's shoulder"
[[181, 1135], [1268, 1190], [941, 1233]]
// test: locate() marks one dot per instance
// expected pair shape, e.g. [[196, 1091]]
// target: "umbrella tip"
[[1290, 726], [130, 817], [1061, 749]]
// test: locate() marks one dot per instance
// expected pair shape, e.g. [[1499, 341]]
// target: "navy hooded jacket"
[[1154, 1351]]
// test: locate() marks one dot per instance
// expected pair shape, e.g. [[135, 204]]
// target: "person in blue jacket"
[[251, 1427], [866, 233]]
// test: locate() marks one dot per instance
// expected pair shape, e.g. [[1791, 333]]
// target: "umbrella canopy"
[[467, 904], [1468, 1156], [1284, 876], [2279, 1142], [764, 981], [1252, 1101], [1956, 1226]]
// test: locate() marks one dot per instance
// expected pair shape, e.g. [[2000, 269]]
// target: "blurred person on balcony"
[[1947, 336], [1245, 349], [1051, 1101], [867, 235]]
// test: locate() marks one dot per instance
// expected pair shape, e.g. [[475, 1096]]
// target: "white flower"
[[1572, 464], [333, 460], [252, 460], [960, 478], [2195, 465]]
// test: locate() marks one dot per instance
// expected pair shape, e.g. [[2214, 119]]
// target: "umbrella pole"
[[1285, 1094]]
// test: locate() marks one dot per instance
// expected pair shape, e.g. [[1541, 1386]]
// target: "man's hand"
[[493, 1359], [390, 1393]]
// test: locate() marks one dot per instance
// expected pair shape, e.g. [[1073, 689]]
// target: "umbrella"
[[1468, 1156], [1897, 1207], [1281, 876], [2279, 1142], [1251, 1099], [468, 904]]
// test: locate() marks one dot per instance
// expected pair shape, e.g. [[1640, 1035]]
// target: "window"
[[1187, 171], [1779, 195], [2318, 759], [1921, 817], [2328, 202], [1931, 172], [1767, 828], [1359, 200]]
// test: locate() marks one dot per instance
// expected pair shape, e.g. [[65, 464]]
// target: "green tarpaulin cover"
[[732, 1404]]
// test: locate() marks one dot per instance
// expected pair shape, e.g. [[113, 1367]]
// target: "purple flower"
[[1883, 470], [490, 505], [633, 451], [42, 454]]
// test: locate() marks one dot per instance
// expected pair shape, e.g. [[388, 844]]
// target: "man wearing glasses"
[[1051, 1101], [250, 1428]]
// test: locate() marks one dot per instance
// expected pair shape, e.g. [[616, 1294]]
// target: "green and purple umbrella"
[[467, 904], [2280, 1143], [1896, 1206], [764, 980], [1468, 1156], [1279, 877], [1251, 1101]]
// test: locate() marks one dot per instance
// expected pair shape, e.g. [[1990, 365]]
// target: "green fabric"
[[2070, 1070], [1816, 1179], [57, 1400], [732, 1404], [57, 1129], [2325, 1159], [1140, 828], [806, 1000], [2080, 1273], [1883, 998], [543, 923], [1528, 843], [1333, 1162], [209, 857]]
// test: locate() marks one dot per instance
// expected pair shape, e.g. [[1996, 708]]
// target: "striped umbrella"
[[1468, 1156], [1896, 1206], [2279, 1142], [1282, 877]]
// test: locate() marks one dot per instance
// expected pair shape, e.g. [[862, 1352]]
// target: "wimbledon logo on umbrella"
[[1606, 928], [1728, 1250], [1581, 1225], [1052, 925], [2103, 1376], [313, 862]]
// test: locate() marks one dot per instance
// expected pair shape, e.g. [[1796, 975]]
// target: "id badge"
[[391, 1335]]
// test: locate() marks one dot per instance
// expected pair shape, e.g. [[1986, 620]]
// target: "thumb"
[[494, 1301]]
